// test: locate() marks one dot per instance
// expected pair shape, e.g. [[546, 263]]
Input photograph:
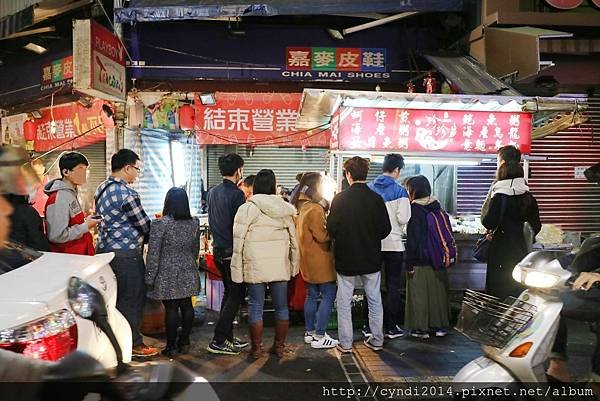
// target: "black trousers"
[[129, 270], [233, 296], [392, 268], [579, 308], [173, 307]]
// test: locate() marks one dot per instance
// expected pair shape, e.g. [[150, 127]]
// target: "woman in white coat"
[[265, 253]]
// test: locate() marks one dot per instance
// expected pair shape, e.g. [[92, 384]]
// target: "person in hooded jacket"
[[511, 206], [316, 260], [427, 300], [392, 248], [265, 253], [67, 228]]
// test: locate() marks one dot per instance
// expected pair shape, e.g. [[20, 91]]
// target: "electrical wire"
[[67, 142], [283, 137], [99, 2], [285, 140]]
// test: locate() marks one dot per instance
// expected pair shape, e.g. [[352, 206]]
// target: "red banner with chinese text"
[[256, 119], [70, 120], [413, 130]]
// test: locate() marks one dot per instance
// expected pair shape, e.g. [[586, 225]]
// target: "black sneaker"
[[366, 331], [226, 348], [238, 342], [394, 333]]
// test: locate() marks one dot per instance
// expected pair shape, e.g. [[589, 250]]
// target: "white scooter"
[[517, 334], [78, 374]]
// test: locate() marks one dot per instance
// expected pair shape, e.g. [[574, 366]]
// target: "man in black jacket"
[[357, 223], [223, 203]]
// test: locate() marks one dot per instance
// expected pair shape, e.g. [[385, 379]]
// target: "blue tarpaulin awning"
[[160, 10], [15, 22]]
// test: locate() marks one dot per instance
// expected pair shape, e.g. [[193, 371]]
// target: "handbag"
[[482, 247]]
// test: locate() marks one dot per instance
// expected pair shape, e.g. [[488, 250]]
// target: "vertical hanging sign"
[[98, 61]]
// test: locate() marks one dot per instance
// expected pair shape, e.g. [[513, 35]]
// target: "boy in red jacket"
[[67, 228]]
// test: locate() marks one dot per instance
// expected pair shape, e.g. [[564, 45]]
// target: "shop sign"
[[416, 130], [12, 129], [58, 73], [255, 119], [99, 60], [335, 63], [66, 122]]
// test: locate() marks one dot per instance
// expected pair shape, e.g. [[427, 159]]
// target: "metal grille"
[[285, 162], [490, 321]]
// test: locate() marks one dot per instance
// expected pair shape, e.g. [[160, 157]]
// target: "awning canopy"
[[319, 105], [17, 20], [160, 10], [470, 76]]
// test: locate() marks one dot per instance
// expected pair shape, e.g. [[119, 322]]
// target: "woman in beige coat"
[[316, 260], [265, 252]]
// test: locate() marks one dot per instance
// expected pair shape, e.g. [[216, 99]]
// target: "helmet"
[[592, 174], [17, 177]]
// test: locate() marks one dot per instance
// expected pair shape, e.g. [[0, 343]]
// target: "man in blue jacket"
[[392, 248]]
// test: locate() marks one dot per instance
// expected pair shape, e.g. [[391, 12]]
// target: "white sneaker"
[[309, 337], [324, 342]]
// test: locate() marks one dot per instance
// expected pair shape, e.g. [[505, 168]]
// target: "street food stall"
[[439, 136]]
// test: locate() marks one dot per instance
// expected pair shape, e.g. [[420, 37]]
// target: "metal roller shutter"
[[472, 186], [569, 202], [168, 160], [572, 204], [285, 162], [96, 155]]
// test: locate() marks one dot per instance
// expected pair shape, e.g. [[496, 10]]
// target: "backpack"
[[440, 244]]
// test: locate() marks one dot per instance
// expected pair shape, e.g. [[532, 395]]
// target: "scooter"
[[517, 334], [79, 374]]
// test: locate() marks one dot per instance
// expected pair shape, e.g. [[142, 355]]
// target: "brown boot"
[[256, 331], [281, 330]]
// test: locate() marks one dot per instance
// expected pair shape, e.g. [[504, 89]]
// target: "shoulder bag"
[[482, 247]]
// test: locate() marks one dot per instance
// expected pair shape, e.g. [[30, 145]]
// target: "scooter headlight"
[[534, 278]]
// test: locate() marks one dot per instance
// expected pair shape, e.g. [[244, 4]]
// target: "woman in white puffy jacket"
[[265, 253]]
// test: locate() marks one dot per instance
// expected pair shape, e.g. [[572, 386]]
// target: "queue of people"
[[262, 242]]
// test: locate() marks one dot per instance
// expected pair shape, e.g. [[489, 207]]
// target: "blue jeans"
[[256, 300], [345, 291], [323, 310]]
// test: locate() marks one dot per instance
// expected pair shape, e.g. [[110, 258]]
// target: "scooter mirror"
[[85, 300], [88, 302]]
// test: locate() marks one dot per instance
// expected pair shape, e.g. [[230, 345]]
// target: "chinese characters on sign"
[[57, 74], [432, 130], [335, 59], [70, 120], [255, 118]]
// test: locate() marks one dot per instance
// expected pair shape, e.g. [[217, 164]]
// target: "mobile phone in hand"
[[97, 217]]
